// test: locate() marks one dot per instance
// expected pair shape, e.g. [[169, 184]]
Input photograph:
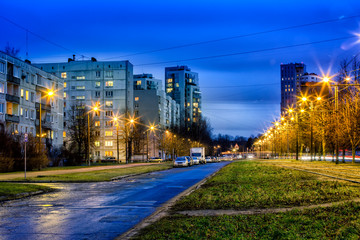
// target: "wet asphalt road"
[[96, 210]]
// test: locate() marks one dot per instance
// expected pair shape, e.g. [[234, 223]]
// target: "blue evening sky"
[[241, 93]]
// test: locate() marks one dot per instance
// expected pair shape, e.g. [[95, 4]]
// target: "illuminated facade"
[[182, 85], [22, 88], [107, 84]]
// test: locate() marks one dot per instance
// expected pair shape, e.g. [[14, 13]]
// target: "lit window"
[[27, 95], [21, 111], [188, 104], [108, 153], [169, 90], [80, 77], [109, 113], [97, 144], [196, 105], [190, 80], [80, 97], [108, 103], [109, 84], [108, 133], [97, 84], [138, 82], [64, 94], [136, 99], [22, 92], [97, 123], [108, 143], [63, 75], [176, 84], [169, 80], [80, 87]]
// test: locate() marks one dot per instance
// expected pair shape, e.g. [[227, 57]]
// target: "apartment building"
[[30, 98], [107, 84]]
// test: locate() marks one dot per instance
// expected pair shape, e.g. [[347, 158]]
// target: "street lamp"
[[92, 109], [48, 94], [116, 121]]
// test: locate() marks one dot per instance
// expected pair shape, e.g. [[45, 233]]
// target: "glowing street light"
[[92, 109]]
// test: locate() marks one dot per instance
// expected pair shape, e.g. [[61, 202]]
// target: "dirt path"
[[204, 213], [10, 176]]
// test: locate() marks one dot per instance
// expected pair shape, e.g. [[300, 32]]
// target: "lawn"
[[243, 185], [10, 190], [100, 175], [251, 184], [339, 222]]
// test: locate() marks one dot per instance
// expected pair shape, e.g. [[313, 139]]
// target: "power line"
[[252, 85], [239, 36], [41, 37], [248, 52]]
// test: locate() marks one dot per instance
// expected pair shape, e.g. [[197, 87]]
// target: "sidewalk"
[[10, 176]]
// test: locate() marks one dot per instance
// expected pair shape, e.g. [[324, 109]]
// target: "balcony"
[[46, 107], [2, 96], [12, 118], [12, 98], [13, 79], [44, 124]]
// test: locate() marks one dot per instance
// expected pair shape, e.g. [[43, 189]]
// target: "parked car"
[[181, 162], [191, 160], [215, 159], [196, 160], [156, 159], [109, 159], [208, 159]]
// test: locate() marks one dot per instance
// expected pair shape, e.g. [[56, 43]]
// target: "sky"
[[240, 92]]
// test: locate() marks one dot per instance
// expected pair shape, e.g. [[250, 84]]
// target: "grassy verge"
[[12, 190], [340, 222], [243, 185], [99, 176]]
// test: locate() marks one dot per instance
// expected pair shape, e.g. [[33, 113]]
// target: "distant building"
[[22, 88], [182, 85], [290, 84], [151, 103], [107, 84], [312, 86]]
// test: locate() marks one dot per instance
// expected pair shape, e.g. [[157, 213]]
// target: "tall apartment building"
[[151, 103], [22, 88], [290, 84], [182, 85], [106, 84]]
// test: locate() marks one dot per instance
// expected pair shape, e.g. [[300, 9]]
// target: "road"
[[96, 210]]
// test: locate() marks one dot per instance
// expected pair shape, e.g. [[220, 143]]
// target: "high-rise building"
[[290, 84], [182, 85], [106, 84], [28, 95]]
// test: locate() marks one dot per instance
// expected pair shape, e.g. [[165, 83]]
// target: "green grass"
[[100, 175], [339, 222], [243, 185], [10, 190]]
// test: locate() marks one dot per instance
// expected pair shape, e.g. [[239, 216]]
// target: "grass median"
[[256, 185], [16, 190], [100, 175]]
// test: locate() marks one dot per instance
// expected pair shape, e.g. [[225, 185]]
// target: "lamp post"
[[48, 94], [131, 122], [95, 109], [116, 121]]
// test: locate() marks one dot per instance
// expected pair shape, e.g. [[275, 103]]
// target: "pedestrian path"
[[9, 176]]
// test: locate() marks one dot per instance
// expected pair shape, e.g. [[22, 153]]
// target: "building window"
[[169, 90], [97, 93], [138, 83], [80, 87], [80, 77], [32, 97], [64, 94], [2, 89], [97, 123], [109, 84], [169, 80], [16, 72], [97, 133], [108, 133], [2, 67], [63, 75], [108, 74], [64, 134], [176, 84], [80, 97], [109, 113], [1, 108], [109, 123], [109, 93], [108, 153], [26, 113], [108, 103], [97, 144], [97, 74], [27, 95], [21, 92], [136, 99], [97, 84], [108, 143], [65, 84]]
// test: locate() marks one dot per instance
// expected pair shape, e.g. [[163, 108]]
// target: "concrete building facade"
[[182, 85], [108, 85], [290, 84], [23, 89]]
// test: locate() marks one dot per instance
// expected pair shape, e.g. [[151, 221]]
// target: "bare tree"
[[12, 51]]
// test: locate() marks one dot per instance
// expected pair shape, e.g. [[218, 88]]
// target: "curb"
[[162, 211], [23, 195]]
